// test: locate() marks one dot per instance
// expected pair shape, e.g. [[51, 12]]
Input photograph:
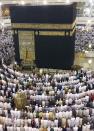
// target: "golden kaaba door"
[[27, 46]]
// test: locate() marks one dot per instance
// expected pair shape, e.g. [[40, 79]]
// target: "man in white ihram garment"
[[88, 127], [77, 121], [18, 128], [75, 128], [84, 127], [37, 122], [56, 122], [72, 123], [1, 127], [26, 128]]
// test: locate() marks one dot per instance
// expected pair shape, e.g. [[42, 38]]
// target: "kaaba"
[[44, 34]]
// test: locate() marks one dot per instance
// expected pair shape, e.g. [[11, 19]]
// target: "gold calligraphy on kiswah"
[[56, 33], [43, 26], [52, 33]]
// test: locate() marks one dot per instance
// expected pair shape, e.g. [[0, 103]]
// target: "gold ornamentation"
[[20, 100], [52, 33], [74, 23], [5, 11], [42, 26], [67, 33], [72, 32], [26, 46]]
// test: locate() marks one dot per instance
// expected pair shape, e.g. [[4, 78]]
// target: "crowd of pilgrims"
[[83, 38], [55, 101], [6, 46]]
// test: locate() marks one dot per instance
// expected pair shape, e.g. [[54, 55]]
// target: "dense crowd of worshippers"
[[83, 38], [6, 46], [55, 101]]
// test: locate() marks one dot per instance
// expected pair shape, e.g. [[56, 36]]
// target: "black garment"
[[64, 129], [59, 123], [5, 128], [88, 104], [51, 129], [77, 90], [12, 104], [80, 129], [59, 87], [74, 113], [33, 123]]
